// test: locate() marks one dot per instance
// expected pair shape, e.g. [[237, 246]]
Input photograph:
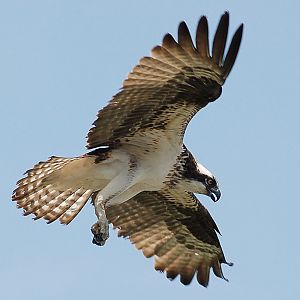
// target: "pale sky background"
[[61, 61]]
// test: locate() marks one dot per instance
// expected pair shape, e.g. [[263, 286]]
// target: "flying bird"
[[138, 173]]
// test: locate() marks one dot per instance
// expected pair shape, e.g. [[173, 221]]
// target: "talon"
[[95, 229], [100, 234], [98, 241]]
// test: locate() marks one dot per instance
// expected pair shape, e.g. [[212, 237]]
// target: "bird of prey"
[[138, 173]]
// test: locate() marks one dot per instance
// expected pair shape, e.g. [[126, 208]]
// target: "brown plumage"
[[46, 200], [169, 87], [175, 228], [143, 128]]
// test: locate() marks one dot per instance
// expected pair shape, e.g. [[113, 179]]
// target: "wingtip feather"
[[202, 43], [168, 41], [233, 51], [220, 38], [203, 274], [184, 38]]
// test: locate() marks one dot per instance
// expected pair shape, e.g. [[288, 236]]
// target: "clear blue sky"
[[61, 61]]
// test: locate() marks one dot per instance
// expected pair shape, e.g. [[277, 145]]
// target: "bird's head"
[[207, 183], [201, 181]]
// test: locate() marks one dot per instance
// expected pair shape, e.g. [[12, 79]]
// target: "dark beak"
[[214, 194]]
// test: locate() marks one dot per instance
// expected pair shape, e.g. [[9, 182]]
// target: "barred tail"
[[48, 201]]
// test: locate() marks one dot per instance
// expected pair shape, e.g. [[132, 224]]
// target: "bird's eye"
[[209, 181]]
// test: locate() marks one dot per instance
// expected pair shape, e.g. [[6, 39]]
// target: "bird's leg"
[[100, 229], [114, 188]]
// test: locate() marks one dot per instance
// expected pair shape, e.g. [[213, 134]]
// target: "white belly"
[[155, 164], [116, 175]]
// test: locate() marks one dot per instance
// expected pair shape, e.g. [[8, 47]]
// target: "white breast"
[[155, 158]]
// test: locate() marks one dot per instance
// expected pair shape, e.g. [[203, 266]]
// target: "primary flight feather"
[[139, 174]]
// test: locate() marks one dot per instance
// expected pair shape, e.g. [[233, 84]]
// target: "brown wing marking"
[[176, 229], [177, 80]]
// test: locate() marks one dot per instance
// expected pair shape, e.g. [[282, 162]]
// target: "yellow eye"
[[209, 181]]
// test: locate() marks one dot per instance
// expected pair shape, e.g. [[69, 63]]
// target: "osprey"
[[139, 175]]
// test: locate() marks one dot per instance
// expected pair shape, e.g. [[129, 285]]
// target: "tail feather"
[[39, 199], [50, 204], [34, 180], [44, 168], [70, 208], [49, 201]]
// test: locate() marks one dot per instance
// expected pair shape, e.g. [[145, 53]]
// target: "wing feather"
[[169, 87], [220, 40], [157, 65], [177, 51], [170, 54], [176, 229], [202, 41], [145, 69], [233, 50], [185, 39]]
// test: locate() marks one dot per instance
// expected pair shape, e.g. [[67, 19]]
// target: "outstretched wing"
[[164, 91], [174, 227]]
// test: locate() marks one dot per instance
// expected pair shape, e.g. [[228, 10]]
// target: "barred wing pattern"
[[166, 90], [175, 228], [157, 100]]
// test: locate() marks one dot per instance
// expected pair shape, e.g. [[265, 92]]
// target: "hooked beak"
[[214, 194]]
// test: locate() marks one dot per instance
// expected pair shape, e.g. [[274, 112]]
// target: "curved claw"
[[101, 233]]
